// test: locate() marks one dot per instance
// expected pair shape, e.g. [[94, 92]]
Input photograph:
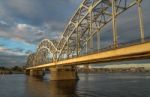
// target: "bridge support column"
[[36, 73], [27, 72], [64, 73]]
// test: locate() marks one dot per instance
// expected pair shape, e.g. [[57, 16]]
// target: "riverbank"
[[5, 72], [112, 70], [90, 70], [12, 70]]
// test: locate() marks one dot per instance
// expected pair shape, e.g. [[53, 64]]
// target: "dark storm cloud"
[[33, 16], [37, 12], [11, 57], [30, 21], [12, 60]]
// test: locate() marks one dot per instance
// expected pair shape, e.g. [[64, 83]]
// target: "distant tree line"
[[14, 68], [4, 68]]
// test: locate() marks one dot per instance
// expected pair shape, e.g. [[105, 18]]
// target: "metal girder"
[[49, 44], [30, 60], [91, 17], [43, 55]]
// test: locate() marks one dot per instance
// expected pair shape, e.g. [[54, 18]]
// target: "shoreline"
[[113, 70], [10, 72], [94, 70]]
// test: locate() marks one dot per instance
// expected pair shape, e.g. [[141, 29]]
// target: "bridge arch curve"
[[43, 55], [49, 44], [31, 60]]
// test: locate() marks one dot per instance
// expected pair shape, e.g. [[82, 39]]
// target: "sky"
[[24, 23]]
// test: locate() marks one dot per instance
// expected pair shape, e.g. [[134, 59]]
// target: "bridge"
[[77, 45]]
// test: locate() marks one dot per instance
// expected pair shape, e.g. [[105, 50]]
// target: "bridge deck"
[[137, 51]]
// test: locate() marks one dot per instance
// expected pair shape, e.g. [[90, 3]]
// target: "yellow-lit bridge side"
[[137, 51]]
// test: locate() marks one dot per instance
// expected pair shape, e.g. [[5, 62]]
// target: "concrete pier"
[[33, 72], [65, 73]]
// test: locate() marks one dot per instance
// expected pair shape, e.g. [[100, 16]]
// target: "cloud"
[[30, 17], [3, 22], [11, 57], [37, 12], [16, 52], [12, 60], [24, 23]]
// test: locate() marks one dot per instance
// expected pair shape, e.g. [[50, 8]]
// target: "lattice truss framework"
[[89, 19], [44, 54]]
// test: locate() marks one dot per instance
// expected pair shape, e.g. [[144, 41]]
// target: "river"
[[89, 85]]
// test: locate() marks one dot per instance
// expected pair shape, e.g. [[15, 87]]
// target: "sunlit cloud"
[[11, 52]]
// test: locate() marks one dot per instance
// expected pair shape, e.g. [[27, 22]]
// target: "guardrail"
[[111, 47]]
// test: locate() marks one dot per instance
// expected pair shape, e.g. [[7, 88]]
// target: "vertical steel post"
[[87, 45], [140, 20], [115, 40], [52, 57], [77, 43], [56, 55], [86, 48], [68, 48], [98, 41], [91, 43], [90, 33], [33, 61], [91, 20]]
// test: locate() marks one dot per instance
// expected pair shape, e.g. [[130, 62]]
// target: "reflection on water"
[[37, 88], [89, 85]]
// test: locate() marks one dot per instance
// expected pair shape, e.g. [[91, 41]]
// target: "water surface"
[[89, 85]]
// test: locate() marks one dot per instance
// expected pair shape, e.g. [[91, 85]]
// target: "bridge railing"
[[111, 47]]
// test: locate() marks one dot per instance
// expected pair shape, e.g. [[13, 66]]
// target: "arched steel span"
[[90, 18], [49, 44], [30, 60], [43, 55]]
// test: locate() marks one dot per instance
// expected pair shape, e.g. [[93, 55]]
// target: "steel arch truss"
[[49, 44], [43, 56], [30, 60], [90, 18]]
